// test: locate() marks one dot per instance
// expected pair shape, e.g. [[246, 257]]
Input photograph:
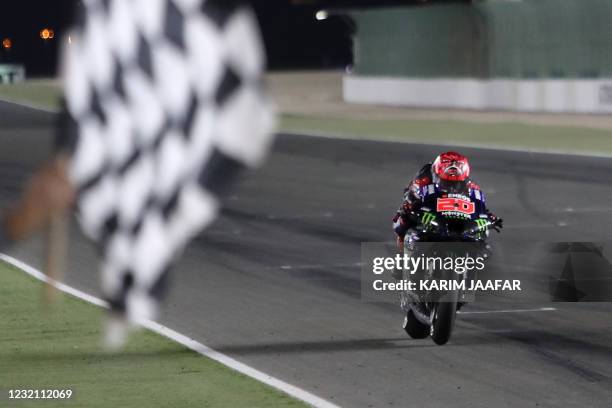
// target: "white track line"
[[541, 309], [332, 135], [316, 266], [190, 343]]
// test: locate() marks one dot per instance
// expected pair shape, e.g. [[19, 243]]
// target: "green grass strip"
[[40, 93], [59, 349], [501, 135]]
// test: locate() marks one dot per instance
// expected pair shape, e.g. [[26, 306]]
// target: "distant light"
[[7, 43], [322, 15], [47, 34], [69, 39]]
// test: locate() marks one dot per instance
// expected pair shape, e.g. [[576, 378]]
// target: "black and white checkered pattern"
[[166, 104]]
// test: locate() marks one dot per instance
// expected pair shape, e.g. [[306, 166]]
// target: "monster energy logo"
[[427, 218], [482, 225]]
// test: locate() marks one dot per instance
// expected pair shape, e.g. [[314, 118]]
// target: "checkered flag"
[[164, 105]]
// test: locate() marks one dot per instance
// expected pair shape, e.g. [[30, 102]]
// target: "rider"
[[450, 172]]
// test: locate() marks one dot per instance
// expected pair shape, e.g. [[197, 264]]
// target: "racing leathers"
[[403, 222]]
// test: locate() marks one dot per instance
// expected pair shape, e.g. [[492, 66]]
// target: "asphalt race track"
[[275, 283]]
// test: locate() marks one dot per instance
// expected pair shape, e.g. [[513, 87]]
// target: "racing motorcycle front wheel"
[[444, 313], [414, 327]]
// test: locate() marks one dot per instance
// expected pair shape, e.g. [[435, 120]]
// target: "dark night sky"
[[293, 38]]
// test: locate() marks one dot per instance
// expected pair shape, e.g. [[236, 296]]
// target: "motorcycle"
[[444, 218]]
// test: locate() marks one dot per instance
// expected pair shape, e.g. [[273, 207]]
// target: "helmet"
[[451, 166], [451, 171]]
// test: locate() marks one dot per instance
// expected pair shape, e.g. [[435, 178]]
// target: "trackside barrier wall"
[[530, 55]]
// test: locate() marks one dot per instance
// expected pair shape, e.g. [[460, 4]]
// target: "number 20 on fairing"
[[455, 204]]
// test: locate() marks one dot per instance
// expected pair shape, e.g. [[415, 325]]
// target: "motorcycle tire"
[[415, 328], [444, 318]]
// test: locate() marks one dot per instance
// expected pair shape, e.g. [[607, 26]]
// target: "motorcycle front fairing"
[[453, 214]]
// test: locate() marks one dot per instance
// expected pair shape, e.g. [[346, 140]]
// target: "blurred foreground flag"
[[164, 106]]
